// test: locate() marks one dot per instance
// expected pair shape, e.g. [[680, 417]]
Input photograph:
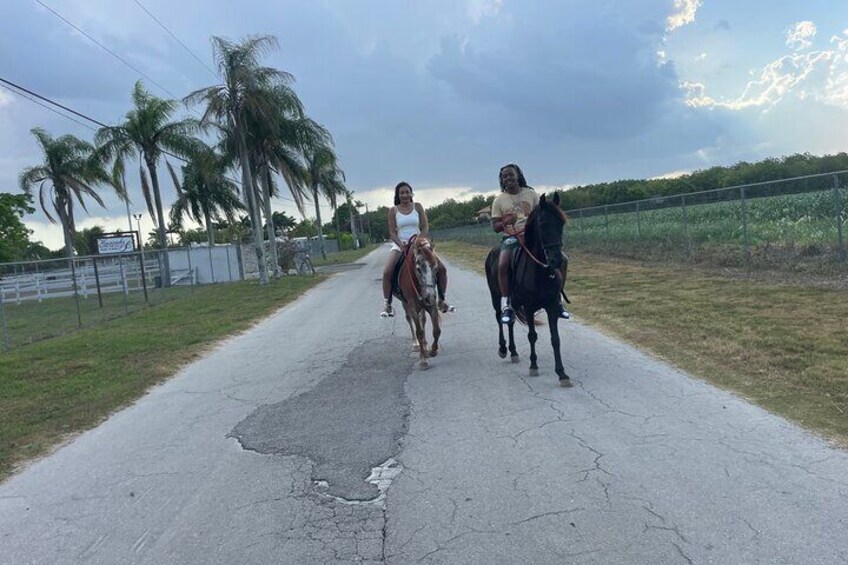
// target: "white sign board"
[[120, 244]]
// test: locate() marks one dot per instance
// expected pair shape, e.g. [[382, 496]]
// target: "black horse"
[[535, 280]]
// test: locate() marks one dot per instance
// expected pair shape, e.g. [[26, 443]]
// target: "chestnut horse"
[[417, 283], [536, 281]]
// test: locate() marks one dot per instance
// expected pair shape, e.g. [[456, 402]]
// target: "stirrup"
[[388, 311], [507, 315]]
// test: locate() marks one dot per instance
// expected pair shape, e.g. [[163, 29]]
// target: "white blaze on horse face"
[[427, 280]]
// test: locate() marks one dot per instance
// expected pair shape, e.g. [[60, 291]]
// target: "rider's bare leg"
[[388, 272], [503, 281], [442, 286]]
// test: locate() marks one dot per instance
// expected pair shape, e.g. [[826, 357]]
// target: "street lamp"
[[137, 218]]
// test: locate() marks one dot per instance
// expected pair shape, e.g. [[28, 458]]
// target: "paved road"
[[314, 438]]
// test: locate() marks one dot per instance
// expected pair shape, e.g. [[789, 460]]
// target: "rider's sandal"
[[563, 313], [388, 311], [444, 307]]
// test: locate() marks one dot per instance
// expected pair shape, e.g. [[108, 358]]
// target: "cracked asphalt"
[[261, 452]]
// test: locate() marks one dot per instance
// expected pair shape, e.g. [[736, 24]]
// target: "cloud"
[[684, 13], [480, 9], [821, 76], [6, 98], [800, 35]]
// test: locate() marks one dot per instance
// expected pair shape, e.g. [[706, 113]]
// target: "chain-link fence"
[[793, 224], [42, 299]]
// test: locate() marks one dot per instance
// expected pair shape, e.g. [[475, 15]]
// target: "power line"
[[45, 106], [90, 119], [115, 55], [177, 39], [53, 102]]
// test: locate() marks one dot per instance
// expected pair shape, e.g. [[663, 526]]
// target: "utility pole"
[[352, 222]]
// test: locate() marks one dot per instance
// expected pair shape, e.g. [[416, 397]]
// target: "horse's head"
[[543, 232], [425, 264]]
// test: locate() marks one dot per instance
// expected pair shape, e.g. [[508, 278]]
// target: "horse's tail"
[[519, 315]]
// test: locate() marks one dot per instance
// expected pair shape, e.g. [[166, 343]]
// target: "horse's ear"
[[556, 198], [542, 199]]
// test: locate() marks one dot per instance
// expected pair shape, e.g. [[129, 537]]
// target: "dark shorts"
[[509, 243]]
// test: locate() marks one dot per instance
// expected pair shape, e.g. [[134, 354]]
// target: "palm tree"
[[206, 193], [148, 132], [70, 171], [325, 178], [244, 95]]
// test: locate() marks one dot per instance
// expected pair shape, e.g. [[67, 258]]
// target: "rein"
[[517, 235], [407, 259]]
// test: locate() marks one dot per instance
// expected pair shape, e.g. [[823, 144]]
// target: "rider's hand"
[[509, 219]]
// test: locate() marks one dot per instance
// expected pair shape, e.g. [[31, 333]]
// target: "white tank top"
[[407, 224]]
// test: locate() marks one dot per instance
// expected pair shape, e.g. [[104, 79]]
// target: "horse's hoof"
[[502, 353], [424, 365], [565, 383], [534, 372], [514, 358], [416, 347], [434, 352]]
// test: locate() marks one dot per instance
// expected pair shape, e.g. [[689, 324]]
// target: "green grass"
[[780, 346], [32, 321], [347, 256], [71, 383]]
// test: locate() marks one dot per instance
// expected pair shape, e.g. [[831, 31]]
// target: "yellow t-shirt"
[[520, 204]]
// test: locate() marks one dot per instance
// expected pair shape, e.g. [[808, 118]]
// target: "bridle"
[[545, 246], [409, 258]]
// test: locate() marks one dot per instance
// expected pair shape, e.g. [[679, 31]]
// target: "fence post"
[[606, 225], [190, 270], [688, 248], [3, 317], [211, 267], [581, 225], [839, 213], [76, 294], [745, 239], [229, 265], [125, 286], [638, 225], [143, 276], [97, 281]]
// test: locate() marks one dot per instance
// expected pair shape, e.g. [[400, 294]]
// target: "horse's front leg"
[[553, 318], [531, 337], [437, 331], [406, 307], [420, 323], [513, 354], [501, 340]]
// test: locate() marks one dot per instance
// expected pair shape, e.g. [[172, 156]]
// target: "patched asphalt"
[[351, 422]]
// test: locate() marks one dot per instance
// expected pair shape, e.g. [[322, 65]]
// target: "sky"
[[442, 93]]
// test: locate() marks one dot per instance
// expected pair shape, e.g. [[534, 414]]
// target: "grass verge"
[[71, 383], [343, 256], [780, 346]]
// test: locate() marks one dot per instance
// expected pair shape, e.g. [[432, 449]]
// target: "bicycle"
[[304, 262]]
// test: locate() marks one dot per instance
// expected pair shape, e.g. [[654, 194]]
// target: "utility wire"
[[45, 106], [115, 55], [177, 39], [90, 119]]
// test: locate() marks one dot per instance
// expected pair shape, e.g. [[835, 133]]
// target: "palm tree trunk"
[[67, 228], [352, 224], [318, 216], [255, 218], [272, 235], [160, 229], [210, 240]]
